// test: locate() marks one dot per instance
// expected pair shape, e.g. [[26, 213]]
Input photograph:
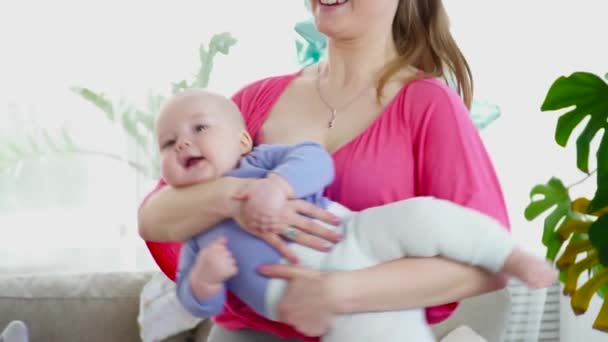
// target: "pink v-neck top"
[[422, 144]]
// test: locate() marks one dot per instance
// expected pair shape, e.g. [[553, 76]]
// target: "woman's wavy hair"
[[421, 34]]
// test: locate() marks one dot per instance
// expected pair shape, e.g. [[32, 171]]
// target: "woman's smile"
[[332, 3]]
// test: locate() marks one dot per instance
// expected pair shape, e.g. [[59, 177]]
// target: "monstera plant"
[[576, 230]]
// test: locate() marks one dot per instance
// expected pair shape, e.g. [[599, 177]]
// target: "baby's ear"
[[246, 142]]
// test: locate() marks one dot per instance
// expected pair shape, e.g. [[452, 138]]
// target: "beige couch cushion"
[[83, 307]]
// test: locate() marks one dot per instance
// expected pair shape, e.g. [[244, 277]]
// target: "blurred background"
[[71, 178]]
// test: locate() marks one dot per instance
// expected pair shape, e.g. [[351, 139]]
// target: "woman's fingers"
[[311, 227], [314, 212], [298, 236], [281, 246], [283, 271]]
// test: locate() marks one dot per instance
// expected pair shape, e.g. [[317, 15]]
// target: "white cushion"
[[463, 334], [161, 315]]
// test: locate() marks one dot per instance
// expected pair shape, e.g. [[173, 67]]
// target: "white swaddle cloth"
[[161, 315]]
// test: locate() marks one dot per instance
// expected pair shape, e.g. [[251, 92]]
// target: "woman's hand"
[[296, 222], [307, 303], [264, 201]]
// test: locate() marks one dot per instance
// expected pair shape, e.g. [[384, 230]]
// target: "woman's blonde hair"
[[423, 40]]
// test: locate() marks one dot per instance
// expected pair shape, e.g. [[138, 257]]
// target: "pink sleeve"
[[254, 101], [451, 160]]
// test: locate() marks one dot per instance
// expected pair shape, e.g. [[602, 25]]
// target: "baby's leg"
[[425, 227], [535, 272]]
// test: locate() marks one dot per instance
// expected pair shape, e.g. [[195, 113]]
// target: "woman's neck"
[[354, 63]]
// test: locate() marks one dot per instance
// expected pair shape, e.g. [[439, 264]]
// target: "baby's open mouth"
[[193, 161]]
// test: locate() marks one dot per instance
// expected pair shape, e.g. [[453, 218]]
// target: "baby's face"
[[196, 143]]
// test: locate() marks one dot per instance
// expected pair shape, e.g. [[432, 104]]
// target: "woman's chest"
[[373, 169], [370, 144], [299, 115]]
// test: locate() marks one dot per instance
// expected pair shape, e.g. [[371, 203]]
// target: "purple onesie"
[[308, 168]]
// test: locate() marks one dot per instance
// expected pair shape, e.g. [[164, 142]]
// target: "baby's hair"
[[220, 104]]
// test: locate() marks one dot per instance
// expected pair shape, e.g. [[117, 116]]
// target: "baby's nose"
[[183, 144]]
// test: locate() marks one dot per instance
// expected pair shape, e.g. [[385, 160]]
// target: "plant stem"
[[582, 180]]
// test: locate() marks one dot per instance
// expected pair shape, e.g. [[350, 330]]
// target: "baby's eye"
[[200, 128], [169, 143]]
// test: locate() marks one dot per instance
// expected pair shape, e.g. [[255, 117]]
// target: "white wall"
[[517, 49]]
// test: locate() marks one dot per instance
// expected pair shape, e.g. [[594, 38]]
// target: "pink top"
[[423, 144]]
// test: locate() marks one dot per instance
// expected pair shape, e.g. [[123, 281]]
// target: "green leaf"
[[16, 150], [97, 99], [315, 43], [598, 232], [130, 126], [307, 30], [600, 199], [588, 93], [154, 103], [34, 144], [70, 146], [484, 113], [595, 269], [49, 141], [177, 87], [146, 120], [603, 255], [554, 194], [221, 42]]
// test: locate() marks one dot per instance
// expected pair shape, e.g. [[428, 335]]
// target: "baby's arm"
[[201, 277], [306, 168], [295, 171]]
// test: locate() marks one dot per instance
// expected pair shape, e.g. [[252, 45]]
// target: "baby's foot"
[[533, 271]]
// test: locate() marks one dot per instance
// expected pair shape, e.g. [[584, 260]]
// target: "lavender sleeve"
[[207, 307], [307, 167]]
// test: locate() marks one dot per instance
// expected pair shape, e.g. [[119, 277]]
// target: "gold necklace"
[[333, 114]]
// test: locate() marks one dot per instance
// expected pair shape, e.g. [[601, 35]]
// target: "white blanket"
[[160, 313]]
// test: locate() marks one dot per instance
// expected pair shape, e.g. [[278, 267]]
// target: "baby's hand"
[[264, 203], [214, 263]]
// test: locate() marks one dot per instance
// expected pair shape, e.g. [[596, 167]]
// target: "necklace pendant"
[[332, 119]]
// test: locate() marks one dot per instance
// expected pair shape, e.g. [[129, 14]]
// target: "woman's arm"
[[313, 299], [390, 286], [176, 214], [171, 214]]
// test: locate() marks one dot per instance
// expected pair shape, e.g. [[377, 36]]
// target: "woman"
[[394, 132]]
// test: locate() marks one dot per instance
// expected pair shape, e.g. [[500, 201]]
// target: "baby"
[[202, 136]]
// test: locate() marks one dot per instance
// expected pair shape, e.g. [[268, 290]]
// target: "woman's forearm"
[[177, 214], [391, 286]]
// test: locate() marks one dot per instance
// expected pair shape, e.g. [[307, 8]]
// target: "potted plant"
[[575, 231]]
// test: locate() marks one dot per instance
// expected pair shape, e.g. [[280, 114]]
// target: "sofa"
[[104, 307]]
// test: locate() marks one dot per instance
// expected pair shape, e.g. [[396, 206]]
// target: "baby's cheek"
[[168, 171]]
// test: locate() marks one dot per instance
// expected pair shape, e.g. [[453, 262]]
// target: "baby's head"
[[201, 136]]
